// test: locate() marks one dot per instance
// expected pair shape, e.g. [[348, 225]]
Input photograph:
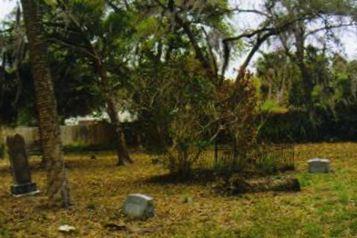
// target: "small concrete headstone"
[[318, 165], [20, 167], [139, 206], [66, 228]]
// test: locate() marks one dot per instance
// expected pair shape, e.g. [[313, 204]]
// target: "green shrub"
[[79, 148], [271, 106], [298, 126]]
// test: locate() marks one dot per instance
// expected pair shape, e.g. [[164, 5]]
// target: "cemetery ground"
[[325, 207]]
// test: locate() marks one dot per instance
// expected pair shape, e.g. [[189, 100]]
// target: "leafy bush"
[[271, 106], [175, 110], [241, 127], [297, 126]]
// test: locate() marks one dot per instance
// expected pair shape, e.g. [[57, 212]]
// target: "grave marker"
[[19, 166], [139, 206], [318, 165]]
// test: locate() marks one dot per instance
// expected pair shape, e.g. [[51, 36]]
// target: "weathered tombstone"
[[138, 206], [20, 167], [318, 165], [66, 228]]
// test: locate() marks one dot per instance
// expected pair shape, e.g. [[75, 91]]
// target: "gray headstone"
[[318, 165], [20, 167], [139, 206]]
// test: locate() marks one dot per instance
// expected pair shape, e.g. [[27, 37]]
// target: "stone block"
[[318, 165], [138, 206]]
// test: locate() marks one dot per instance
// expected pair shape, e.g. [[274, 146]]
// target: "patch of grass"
[[268, 164], [313, 230], [4, 232], [326, 206]]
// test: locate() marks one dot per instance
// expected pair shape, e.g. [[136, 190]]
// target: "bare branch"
[[329, 27]]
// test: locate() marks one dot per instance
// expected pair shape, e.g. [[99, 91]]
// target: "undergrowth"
[[326, 206]]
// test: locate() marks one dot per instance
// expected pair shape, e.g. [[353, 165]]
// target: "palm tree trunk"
[[57, 185]]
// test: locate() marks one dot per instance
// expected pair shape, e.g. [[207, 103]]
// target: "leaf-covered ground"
[[326, 206]]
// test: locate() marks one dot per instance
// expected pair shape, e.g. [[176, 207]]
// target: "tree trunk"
[[308, 85], [280, 96], [2, 146], [122, 149], [57, 185], [270, 88]]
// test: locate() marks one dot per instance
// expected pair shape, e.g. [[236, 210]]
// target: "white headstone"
[[139, 206], [66, 228], [318, 165]]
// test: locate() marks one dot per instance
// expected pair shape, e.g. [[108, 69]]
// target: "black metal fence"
[[268, 158]]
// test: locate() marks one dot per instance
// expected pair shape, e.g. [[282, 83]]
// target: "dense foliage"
[[164, 61]]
